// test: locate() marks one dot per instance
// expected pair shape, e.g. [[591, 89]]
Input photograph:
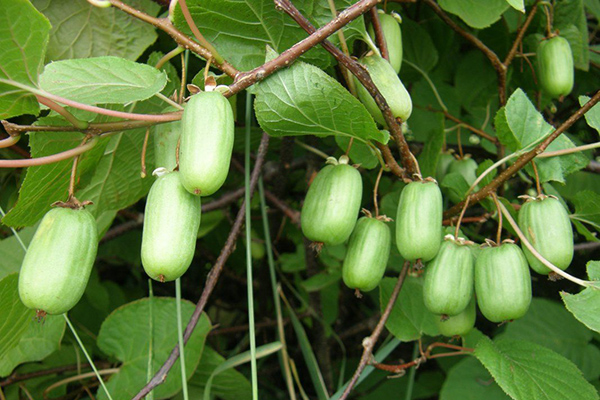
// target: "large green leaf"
[[418, 46], [469, 380], [304, 100], [125, 335], [22, 337], [569, 18], [528, 371], [519, 125], [475, 13], [12, 253], [45, 184], [593, 115], [23, 41], [80, 30], [587, 209], [409, 319], [241, 29], [585, 305], [102, 80], [549, 324]]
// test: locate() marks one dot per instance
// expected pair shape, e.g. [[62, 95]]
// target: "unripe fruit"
[[367, 255], [467, 167], [458, 325], [393, 38], [546, 225], [207, 133], [171, 222], [419, 221], [502, 282], [448, 285], [444, 162], [59, 260], [332, 204], [390, 86], [555, 64]]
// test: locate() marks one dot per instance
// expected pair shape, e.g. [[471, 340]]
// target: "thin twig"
[[476, 131], [29, 162], [9, 141], [375, 189], [538, 186], [370, 341], [499, 231], [192, 25], [519, 39], [460, 218], [76, 122], [212, 278], [525, 158]]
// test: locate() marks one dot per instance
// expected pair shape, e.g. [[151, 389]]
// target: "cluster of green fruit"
[[58, 263]]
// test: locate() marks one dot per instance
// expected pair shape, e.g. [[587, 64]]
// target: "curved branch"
[[524, 159], [49, 159], [212, 278], [11, 140]]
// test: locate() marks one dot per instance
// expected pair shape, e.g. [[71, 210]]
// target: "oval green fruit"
[[59, 260], [166, 137], [207, 132], [460, 324], [467, 167], [332, 204], [448, 285], [419, 221], [171, 222], [390, 86], [367, 255], [502, 282], [393, 38], [546, 225], [555, 64], [443, 165]]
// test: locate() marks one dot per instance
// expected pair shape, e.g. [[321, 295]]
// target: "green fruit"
[[502, 282], [419, 221], [467, 167], [393, 38], [166, 137], [206, 143], [171, 222], [390, 86], [368, 254], [58, 263], [555, 64], [458, 325], [546, 225], [443, 164], [332, 204], [448, 285]]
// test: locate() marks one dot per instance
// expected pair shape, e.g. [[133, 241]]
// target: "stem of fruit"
[[144, 149], [76, 122], [87, 355], [284, 360], [170, 55], [184, 63], [168, 101], [249, 278], [375, 189], [537, 178], [313, 150], [73, 177], [180, 341], [499, 231], [369, 342], [150, 369], [460, 217], [49, 159], [511, 221], [349, 146]]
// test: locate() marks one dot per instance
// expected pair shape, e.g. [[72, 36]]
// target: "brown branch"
[[587, 246], [465, 220], [397, 369], [183, 40], [513, 50], [476, 131], [379, 36], [92, 129], [15, 378], [391, 162], [524, 159], [293, 215], [365, 79], [369, 342], [212, 278], [593, 166]]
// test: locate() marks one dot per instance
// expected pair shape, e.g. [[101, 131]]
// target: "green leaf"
[[12, 253], [527, 371], [489, 177], [593, 6], [227, 385], [593, 115], [321, 280], [409, 319], [293, 262], [81, 30], [45, 184], [241, 30], [587, 208], [23, 41], [469, 380], [210, 221], [475, 79], [417, 46], [548, 323], [518, 5], [360, 153], [456, 185], [569, 16], [102, 80], [585, 305], [304, 100], [125, 336], [474, 13], [22, 337], [519, 125]]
